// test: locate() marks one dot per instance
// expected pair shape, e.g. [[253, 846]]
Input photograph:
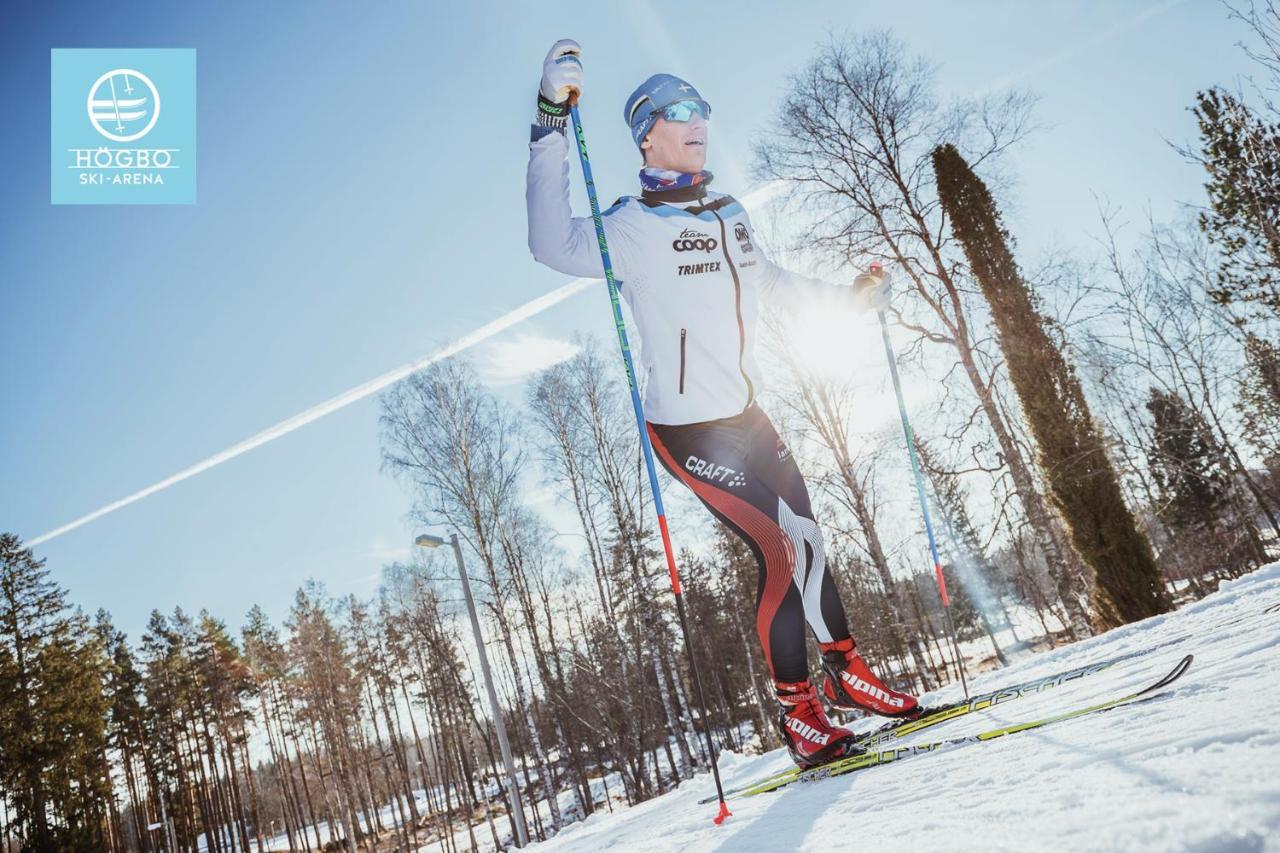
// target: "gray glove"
[[872, 289]]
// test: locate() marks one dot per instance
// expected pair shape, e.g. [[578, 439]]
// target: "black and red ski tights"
[[743, 472]]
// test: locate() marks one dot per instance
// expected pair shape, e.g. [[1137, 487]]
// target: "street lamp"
[[426, 540]]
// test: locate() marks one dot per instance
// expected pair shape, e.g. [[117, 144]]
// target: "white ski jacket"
[[690, 272]]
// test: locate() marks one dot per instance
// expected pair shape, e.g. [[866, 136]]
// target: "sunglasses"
[[683, 111]]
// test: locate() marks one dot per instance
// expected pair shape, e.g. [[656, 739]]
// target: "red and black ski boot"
[[851, 685], [809, 736]]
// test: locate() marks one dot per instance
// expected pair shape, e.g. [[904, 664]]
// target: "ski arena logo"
[[691, 241], [111, 141], [115, 114]]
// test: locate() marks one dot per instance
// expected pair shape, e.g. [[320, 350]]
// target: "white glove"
[[562, 72], [872, 290]]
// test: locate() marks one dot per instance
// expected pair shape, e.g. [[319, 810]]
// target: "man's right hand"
[[562, 72]]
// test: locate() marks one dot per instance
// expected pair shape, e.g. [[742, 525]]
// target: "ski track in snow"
[[1196, 767]]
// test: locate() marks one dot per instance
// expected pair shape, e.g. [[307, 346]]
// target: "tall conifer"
[[1082, 482]]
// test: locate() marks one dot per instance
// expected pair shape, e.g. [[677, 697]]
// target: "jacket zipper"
[[737, 307], [683, 334]]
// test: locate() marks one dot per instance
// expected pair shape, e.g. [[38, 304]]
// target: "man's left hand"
[[872, 290]]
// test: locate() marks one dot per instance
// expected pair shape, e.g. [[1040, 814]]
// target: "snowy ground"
[[1196, 768]]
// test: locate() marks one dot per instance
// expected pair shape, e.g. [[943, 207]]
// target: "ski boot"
[[809, 736], [850, 684]]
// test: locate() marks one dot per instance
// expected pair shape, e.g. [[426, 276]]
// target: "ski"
[[898, 729], [937, 714]]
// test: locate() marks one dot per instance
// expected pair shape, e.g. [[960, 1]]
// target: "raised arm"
[[557, 238]]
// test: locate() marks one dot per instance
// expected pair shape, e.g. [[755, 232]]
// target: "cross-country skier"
[[689, 267]]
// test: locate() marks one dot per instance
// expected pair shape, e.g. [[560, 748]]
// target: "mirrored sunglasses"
[[684, 110]]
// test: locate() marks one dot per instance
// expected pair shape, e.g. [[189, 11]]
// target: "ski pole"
[[621, 328], [877, 272]]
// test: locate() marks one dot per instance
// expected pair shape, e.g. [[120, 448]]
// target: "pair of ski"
[[895, 729]]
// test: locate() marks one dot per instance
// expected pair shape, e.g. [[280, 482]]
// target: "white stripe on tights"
[[807, 579]]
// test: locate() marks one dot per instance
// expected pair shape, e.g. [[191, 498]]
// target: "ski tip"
[[724, 813]]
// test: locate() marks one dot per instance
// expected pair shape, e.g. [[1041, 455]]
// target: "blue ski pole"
[[876, 273], [621, 328]]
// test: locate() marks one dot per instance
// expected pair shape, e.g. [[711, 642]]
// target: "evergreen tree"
[[1193, 477], [52, 734], [1241, 153], [225, 685], [126, 718], [1083, 484], [971, 578], [964, 611], [71, 720], [172, 776], [1187, 465], [1260, 396], [329, 694]]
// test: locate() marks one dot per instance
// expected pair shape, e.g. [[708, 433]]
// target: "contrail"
[[373, 386], [346, 398], [1117, 28]]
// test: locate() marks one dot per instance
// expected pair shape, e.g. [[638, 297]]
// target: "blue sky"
[[361, 202]]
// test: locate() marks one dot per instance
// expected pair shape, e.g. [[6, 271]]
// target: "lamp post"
[[426, 540]]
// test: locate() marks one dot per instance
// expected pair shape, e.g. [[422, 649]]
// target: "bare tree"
[[580, 408], [1175, 336], [461, 450], [852, 142], [824, 408]]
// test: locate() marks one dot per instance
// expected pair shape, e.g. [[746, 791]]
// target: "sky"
[[361, 204]]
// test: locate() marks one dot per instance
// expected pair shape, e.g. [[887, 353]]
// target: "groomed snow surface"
[[1196, 767]]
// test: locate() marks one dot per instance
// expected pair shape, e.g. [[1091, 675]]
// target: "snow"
[[1196, 767]]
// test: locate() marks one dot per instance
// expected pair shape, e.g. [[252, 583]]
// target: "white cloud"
[[503, 362]]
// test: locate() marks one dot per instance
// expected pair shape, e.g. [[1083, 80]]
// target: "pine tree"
[[330, 697], [265, 656], [1083, 484], [122, 690], [176, 776], [1193, 477], [52, 712], [1186, 463], [71, 719], [971, 578], [1241, 153], [1260, 396], [225, 686]]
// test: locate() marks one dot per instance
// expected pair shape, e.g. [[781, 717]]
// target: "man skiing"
[[688, 266]]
